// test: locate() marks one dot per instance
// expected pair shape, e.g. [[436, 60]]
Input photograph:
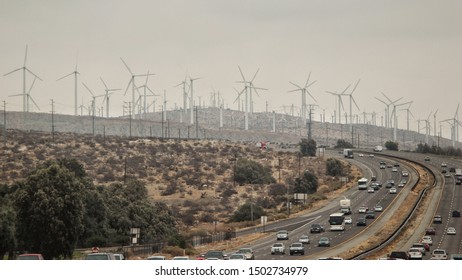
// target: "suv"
[[456, 213], [100, 256], [282, 235], [215, 255], [297, 248], [437, 219], [370, 215], [439, 254], [316, 228], [278, 248]]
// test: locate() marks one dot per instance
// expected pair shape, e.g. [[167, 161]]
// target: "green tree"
[[392, 146], [308, 183], [251, 172], [334, 167], [7, 223], [343, 144], [244, 213], [308, 147], [49, 208]]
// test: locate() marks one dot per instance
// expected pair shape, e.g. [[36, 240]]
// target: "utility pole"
[[4, 121], [52, 120], [129, 121], [197, 123]]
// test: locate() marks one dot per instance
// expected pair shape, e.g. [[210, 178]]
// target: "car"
[[398, 255], [452, 169], [247, 252], [451, 231], [156, 258], [456, 213], [370, 215], [363, 209], [439, 254], [236, 256], [427, 158], [282, 235], [119, 257], [405, 173], [216, 254], [316, 228], [180, 258], [394, 169], [430, 231], [426, 239], [458, 182], [444, 171], [297, 248], [30, 257], [324, 242], [375, 186], [444, 164], [370, 190], [389, 165], [361, 222], [401, 185], [447, 175], [278, 248], [393, 190], [348, 220], [378, 208], [383, 166], [437, 219], [100, 256], [371, 155], [422, 246], [415, 254], [360, 155], [389, 184], [304, 239], [373, 178], [455, 257]]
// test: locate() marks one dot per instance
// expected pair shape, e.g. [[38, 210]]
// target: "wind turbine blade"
[[65, 76], [435, 112], [33, 74], [381, 100], [341, 102], [333, 93], [242, 74], [128, 68], [25, 57], [354, 101], [343, 92], [33, 82], [310, 84], [33, 101], [89, 90], [12, 71], [387, 97], [307, 80], [309, 93], [254, 76], [295, 85], [128, 86], [20, 94], [355, 86], [295, 90], [103, 83], [457, 111]]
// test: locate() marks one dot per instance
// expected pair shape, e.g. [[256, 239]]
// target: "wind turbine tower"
[[24, 92], [75, 73], [106, 96], [248, 85], [352, 100], [191, 98], [340, 103]]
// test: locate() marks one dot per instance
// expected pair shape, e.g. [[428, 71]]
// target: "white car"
[[427, 239], [394, 169], [451, 231], [360, 155], [370, 190], [393, 190], [348, 220], [439, 254], [278, 248], [180, 258], [415, 254], [405, 173], [444, 164], [282, 234], [304, 239], [240, 257], [378, 208], [363, 209]]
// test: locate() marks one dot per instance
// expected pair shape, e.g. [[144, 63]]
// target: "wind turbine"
[[185, 93], [352, 100], [395, 118], [340, 102], [434, 123], [24, 69], [145, 94], [304, 90], [28, 97], [455, 126], [106, 96], [75, 73], [132, 83], [94, 98], [408, 113]]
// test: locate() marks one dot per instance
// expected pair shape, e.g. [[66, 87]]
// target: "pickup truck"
[[297, 248], [278, 248]]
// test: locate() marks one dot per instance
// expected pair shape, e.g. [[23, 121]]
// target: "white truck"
[[348, 153], [345, 206], [378, 148]]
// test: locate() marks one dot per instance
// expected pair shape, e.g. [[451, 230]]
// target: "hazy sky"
[[410, 49]]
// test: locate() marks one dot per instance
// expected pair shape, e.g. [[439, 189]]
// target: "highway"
[[342, 240]]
